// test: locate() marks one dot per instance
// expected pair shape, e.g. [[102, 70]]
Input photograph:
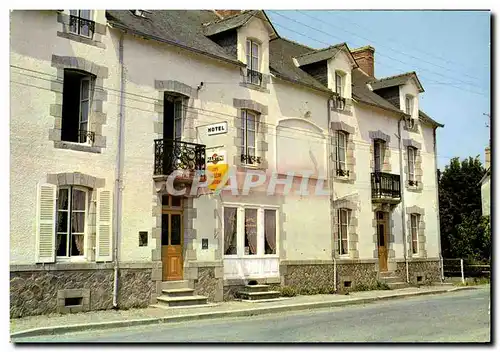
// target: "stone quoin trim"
[[262, 131], [350, 159], [422, 252], [96, 40], [386, 165], [418, 165], [349, 202], [97, 117]]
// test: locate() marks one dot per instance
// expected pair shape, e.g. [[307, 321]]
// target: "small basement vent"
[[73, 301], [347, 284], [419, 278]]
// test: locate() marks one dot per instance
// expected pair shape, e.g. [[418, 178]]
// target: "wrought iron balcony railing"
[[254, 77], [171, 155], [385, 185], [81, 26], [84, 136], [250, 159]]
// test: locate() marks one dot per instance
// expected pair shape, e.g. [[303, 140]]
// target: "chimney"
[[365, 59], [227, 13], [487, 158]]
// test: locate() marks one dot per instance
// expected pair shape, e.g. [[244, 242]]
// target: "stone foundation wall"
[[208, 285], [44, 291], [430, 271], [321, 276], [231, 292]]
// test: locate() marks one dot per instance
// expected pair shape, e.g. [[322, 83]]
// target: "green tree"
[[464, 232]]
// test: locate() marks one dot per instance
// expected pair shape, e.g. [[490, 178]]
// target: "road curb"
[[53, 330]]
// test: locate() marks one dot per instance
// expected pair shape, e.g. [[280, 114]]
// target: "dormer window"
[[253, 57], [80, 23], [409, 105], [339, 77]]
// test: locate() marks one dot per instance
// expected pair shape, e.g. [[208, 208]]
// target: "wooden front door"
[[172, 241], [382, 239]]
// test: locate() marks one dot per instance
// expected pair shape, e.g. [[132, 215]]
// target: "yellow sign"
[[217, 166]]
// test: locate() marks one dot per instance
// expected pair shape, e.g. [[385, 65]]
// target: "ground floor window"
[[343, 226], [414, 218], [250, 231], [71, 218]]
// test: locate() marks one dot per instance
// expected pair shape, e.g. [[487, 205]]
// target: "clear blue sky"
[[449, 50]]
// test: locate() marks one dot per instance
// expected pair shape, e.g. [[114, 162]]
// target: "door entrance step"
[[162, 306], [256, 288], [172, 285], [182, 301], [178, 292], [253, 296], [397, 285], [390, 280]]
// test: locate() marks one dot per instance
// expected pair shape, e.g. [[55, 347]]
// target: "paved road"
[[454, 317]]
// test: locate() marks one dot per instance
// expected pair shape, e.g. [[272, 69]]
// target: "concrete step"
[[256, 288], [172, 285], [384, 274], [397, 285], [178, 292], [390, 279], [181, 301], [253, 296], [162, 306]]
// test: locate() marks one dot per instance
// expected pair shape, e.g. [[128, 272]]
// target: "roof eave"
[[149, 36]]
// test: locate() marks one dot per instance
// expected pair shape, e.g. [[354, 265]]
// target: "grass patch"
[[475, 281]]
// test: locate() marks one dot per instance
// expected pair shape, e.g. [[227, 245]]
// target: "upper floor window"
[[254, 75], [339, 78], [409, 104], [81, 23], [411, 165], [77, 95], [378, 153], [341, 153], [71, 216], [249, 121]]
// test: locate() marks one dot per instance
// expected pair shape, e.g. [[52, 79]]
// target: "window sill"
[[81, 39], [253, 86], [80, 147], [251, 256], [343, 179]]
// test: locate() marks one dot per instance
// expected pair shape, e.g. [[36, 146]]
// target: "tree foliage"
[[465, 233]]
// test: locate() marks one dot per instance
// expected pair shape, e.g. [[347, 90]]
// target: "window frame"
[[253, 62], [379, 146], [412, 161], [240, 231], [245, 132], [338, 148], [340, 226], [409, 104], [179, 108], [69, 233], [339, 83], [78, 15], [414, 229]]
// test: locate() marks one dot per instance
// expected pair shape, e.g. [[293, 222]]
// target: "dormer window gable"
[[332, 67]]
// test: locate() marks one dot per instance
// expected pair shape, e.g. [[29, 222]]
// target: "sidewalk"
[[61, 323]]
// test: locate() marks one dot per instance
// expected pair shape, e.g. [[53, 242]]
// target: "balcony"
[[174, 155], [254, 77], [386, 187], [81, 26]]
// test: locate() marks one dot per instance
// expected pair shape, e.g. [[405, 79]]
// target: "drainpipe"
[[402, 188], [441, 264], [119, 176], [330, 187]]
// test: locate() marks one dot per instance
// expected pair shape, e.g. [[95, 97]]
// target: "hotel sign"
[[217, 128]]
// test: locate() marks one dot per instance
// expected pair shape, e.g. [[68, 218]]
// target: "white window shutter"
[[46, 223], [104, 233]]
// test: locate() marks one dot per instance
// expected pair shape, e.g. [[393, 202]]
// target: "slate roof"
[[229, 23], [396, 81], [281, 54], [189, 29], [362, 93], [324, 54], [182, 28]]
